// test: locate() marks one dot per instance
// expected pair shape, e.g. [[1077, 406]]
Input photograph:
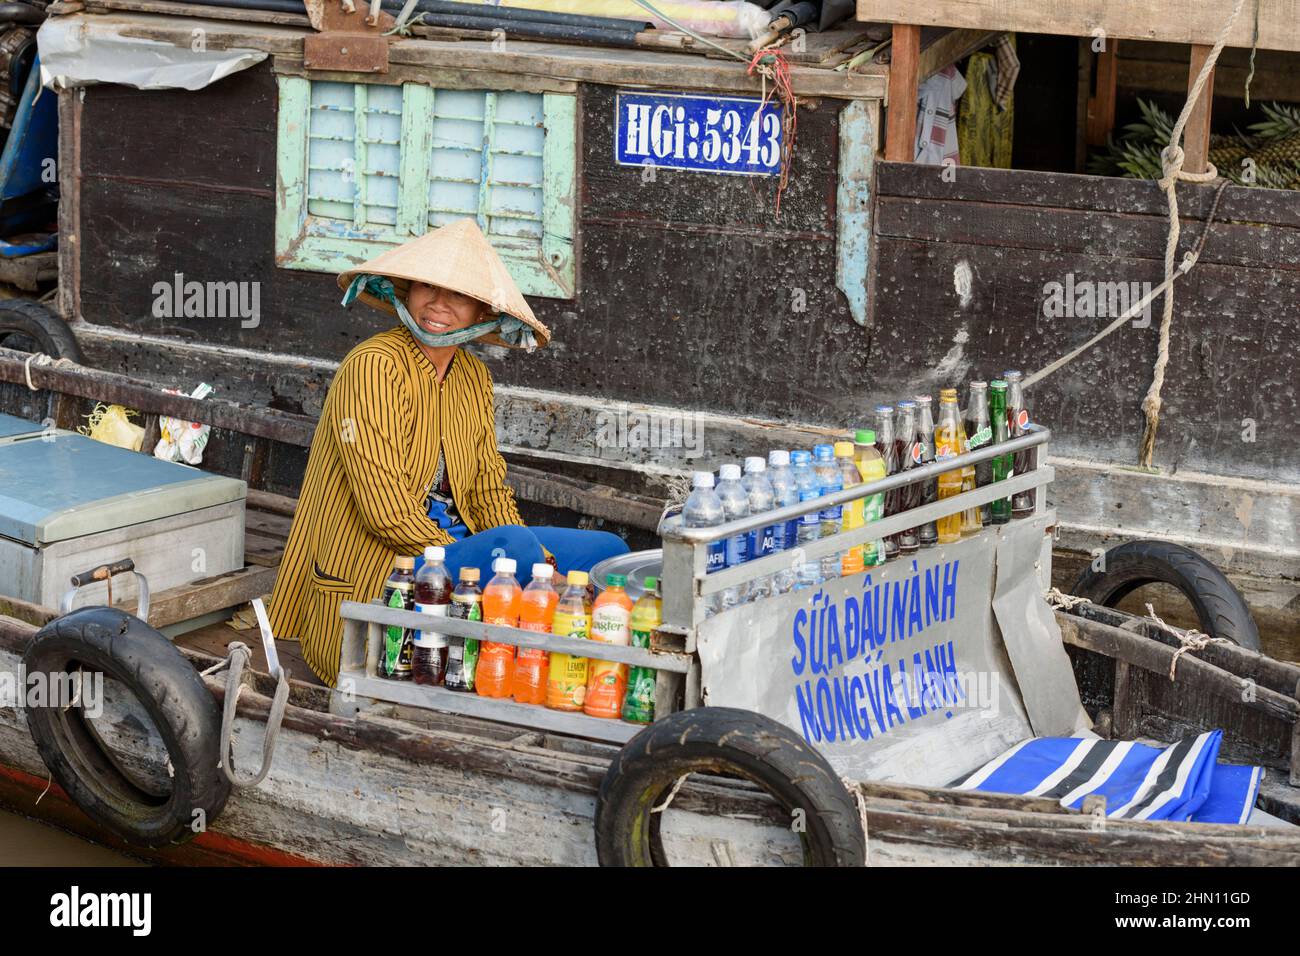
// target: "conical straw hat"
[[457, 257]]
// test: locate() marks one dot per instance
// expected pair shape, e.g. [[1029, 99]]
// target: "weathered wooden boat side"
[[407, 788]]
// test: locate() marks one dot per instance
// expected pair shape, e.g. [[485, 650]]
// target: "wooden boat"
[[400, 785]]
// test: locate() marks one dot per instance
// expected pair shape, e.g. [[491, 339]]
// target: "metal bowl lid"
[[636, 566]]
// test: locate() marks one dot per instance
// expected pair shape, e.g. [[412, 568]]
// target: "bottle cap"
[[907, 403], [578, 579], [542, 570], [947, 394], [883, 410], [616, 580], [1013, 375], [729, 472], [778, 458], [755, 464], [844, 449], [402, 562], [702, 479], [504, 566], [998, 385], [823, 451], [434, 553], [864, 436], [469, 574], [923, 399], [978, 384], [800, 457], [651, 584]]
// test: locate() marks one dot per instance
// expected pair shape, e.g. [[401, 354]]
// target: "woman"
[[404, 455]]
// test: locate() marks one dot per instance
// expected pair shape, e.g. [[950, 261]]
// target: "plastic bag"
[[181, 440], [111, 424], [720, 18]]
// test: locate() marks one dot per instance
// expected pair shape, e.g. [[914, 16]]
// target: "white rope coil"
[[1191, 640]]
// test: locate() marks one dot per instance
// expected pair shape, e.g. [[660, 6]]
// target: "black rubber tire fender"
[[180, 705], [1220, 609], [724, 740], [24, 319]]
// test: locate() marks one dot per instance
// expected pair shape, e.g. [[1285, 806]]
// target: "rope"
[[1189, 260], [1172, 162], [1057, 598], [853, 788], [401, 24], [771, 64], [1254, 46], [1191, 640], [41, 360], [669, 799], [240, 655]]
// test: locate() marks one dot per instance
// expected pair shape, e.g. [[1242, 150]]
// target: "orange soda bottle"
[[496, 662], [536, 609], [611, 618], [566, 680]]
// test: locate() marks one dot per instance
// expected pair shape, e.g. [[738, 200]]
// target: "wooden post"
[[1196, 135], [904, 67], [1101, 104]]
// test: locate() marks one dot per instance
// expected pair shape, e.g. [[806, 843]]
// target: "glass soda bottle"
[[566, 680], [927, 534], [536, 612], [647, 615], [462, 652], [1022, 503], [947, 445], [432, 597], [1000, 508], [872, 468], [399, 590], [889, 453], [909, 457], [853, 514], [979, 432], [495, 674], [611, 618]]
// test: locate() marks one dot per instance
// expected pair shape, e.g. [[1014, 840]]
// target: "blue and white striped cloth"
[[1181, 782]]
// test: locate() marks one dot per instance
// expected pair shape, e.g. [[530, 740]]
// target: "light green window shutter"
[[366, 166]]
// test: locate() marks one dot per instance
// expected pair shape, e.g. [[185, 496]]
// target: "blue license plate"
[[705, 133]]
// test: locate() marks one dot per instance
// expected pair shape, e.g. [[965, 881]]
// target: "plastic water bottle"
[[808, 573], [735, 505], [762, 541], [801, 468], [703, 509], [832, 522], [786, 493]]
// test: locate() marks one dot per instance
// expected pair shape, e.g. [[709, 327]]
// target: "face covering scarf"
[[512, 330]]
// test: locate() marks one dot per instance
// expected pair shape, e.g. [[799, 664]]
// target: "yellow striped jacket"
[[372, 462]]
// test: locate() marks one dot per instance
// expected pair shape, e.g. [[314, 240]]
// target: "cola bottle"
[[927, 534], [432, 597], [909, 457], [889, 454]]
